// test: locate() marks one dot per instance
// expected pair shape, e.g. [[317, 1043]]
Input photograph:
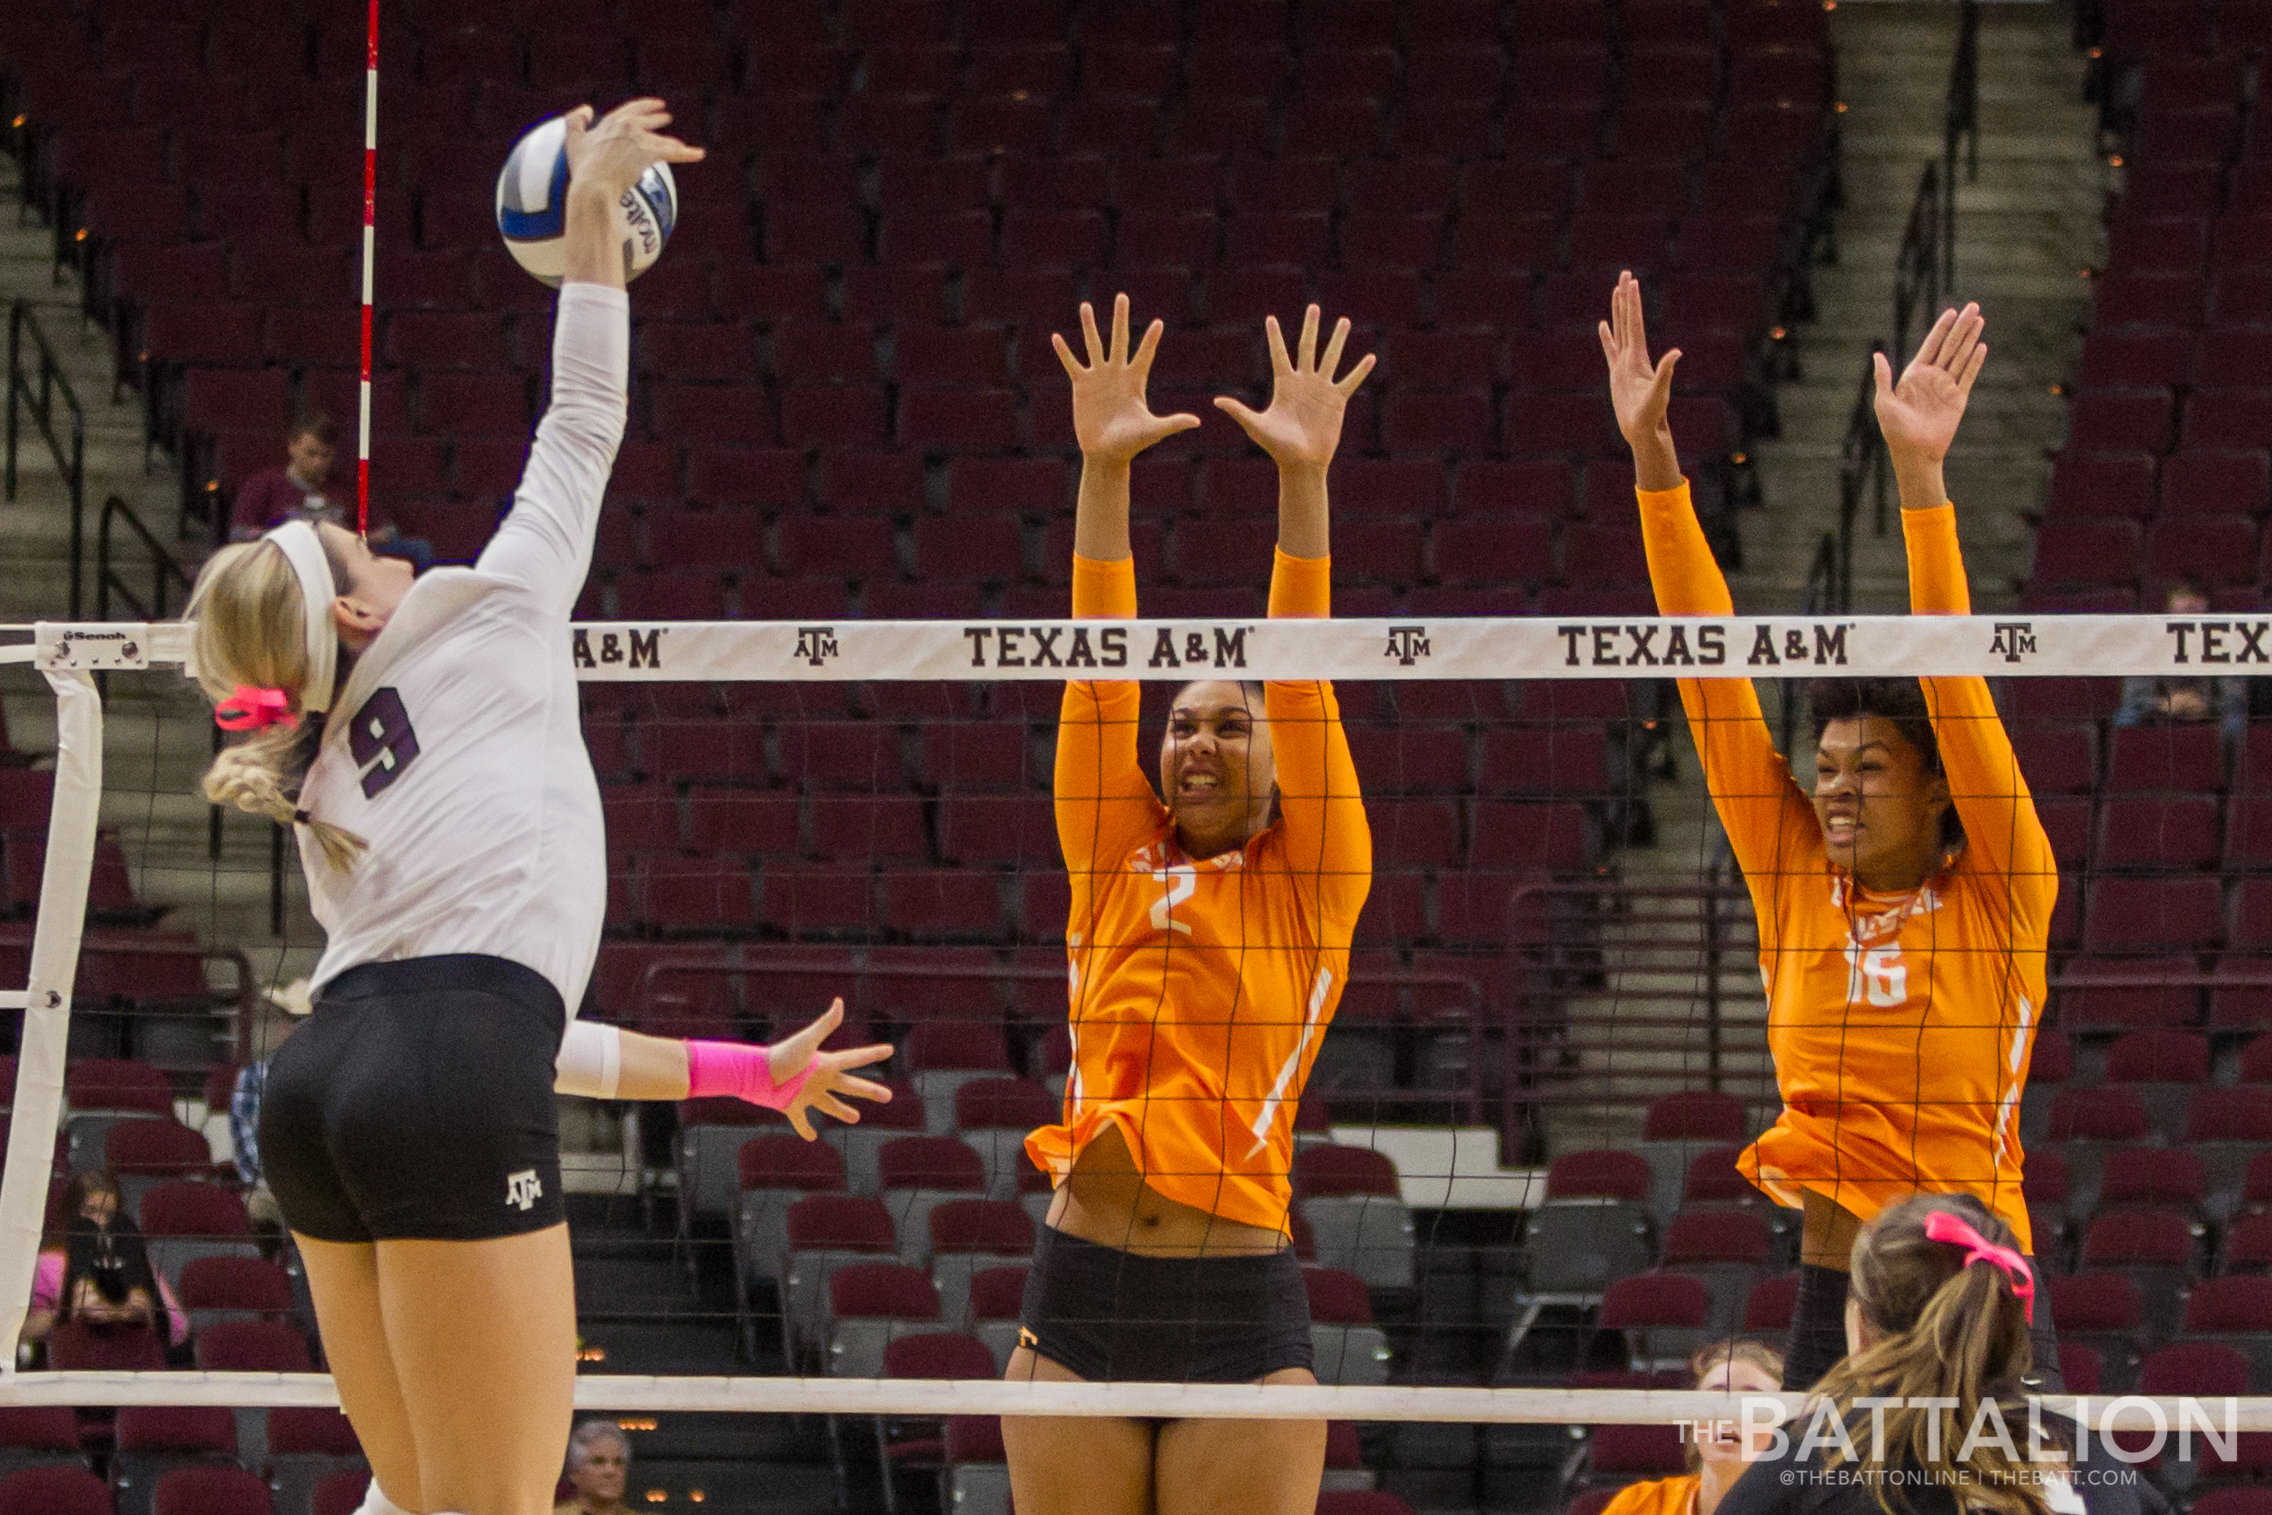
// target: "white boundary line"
[[931, 1396]]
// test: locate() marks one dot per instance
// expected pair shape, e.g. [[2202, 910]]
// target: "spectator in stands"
[[599, 1460], [453, 844], [298, 489], [1166, 1255], [2147, 699], [1932, 1398], [1718, 1449], [95, 1271], [1905, 903]]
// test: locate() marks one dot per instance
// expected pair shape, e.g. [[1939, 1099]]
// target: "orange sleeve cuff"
[[1675, 498], [1300, 586], [1104, 590]]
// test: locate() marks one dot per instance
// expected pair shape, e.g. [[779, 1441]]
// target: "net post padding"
[[625, 1392], [47, 998]]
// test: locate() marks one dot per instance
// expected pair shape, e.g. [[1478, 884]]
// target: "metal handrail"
[[51, 382], [1556, 1058], [164, 570], [1917, 266], [1961, 119]]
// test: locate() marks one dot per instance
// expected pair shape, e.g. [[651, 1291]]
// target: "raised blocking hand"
[[1919, 414], [1111, 418], [1302, 427], [1640, 391]]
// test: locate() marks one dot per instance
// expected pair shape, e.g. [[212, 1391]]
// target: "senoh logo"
[[1407, 644], [640, 647], [2015, 641]]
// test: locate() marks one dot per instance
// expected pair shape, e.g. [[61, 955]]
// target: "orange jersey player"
[[1718, 1450], [1905, 904], [1209, 943]]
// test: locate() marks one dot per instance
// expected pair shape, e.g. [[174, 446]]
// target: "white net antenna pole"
[[47, 997]]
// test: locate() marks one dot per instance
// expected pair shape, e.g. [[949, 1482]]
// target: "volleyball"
[[532, 203]]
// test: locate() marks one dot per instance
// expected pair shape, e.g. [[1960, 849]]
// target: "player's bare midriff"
[[1106, 1201]]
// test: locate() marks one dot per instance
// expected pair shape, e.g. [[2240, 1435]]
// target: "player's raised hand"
[[1919, 415], [1302, 427], [831, 1077], [1639, 390], [1111, 418], [612, 151]]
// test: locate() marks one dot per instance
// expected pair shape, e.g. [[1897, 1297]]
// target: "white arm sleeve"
[[545, 544], [590, 1061]]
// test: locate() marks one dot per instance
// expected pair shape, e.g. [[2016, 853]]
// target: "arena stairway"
[[156, 731], [638, 1312], [2023, 230]]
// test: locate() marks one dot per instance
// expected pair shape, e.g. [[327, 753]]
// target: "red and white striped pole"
[[370, 243]]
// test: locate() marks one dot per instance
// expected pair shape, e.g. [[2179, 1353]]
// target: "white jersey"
[[455, 747]]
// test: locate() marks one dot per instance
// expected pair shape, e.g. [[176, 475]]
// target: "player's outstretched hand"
[[1302, 427], [1919, 415], [611, 152], [1111, 418], [831, 1079], [1639, 390]]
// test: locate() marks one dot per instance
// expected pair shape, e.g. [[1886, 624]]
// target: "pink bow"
[[1954, 1229], [250, 708]]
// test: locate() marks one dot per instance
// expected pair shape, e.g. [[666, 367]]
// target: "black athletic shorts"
[[1108, 1314], [416, 1104]]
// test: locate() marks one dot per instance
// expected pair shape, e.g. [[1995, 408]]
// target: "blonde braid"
[[251, 630]]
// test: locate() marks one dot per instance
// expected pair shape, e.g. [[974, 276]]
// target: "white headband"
[[303, 549]]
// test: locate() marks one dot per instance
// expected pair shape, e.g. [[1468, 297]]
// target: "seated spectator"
[[1717, 1450], [599, 1462], [95, 1271], [298, 490], [2147, 699]]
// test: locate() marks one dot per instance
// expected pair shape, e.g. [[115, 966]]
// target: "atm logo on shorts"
[[523, 1190]]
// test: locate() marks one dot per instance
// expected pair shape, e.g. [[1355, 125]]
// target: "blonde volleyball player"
[[451, 833], [1209, 946], [1718, 1451], [1905, 904]]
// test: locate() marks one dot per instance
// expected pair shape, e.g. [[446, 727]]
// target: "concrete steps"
[[2025, 229], [158, 732]]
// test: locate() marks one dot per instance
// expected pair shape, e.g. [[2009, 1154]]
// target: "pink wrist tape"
[[742, 1070]]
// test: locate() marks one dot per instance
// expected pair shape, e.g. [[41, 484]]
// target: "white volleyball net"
[[1513, 1170]]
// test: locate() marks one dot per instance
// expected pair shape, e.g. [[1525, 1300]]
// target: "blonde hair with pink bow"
[[251, 640]]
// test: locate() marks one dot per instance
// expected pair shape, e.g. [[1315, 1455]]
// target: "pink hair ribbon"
[[1943, 1226], [251, 708]]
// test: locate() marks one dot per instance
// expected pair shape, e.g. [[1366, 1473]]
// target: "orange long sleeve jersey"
[[1658, 1496], [1201, 990], [1900, 1025]]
